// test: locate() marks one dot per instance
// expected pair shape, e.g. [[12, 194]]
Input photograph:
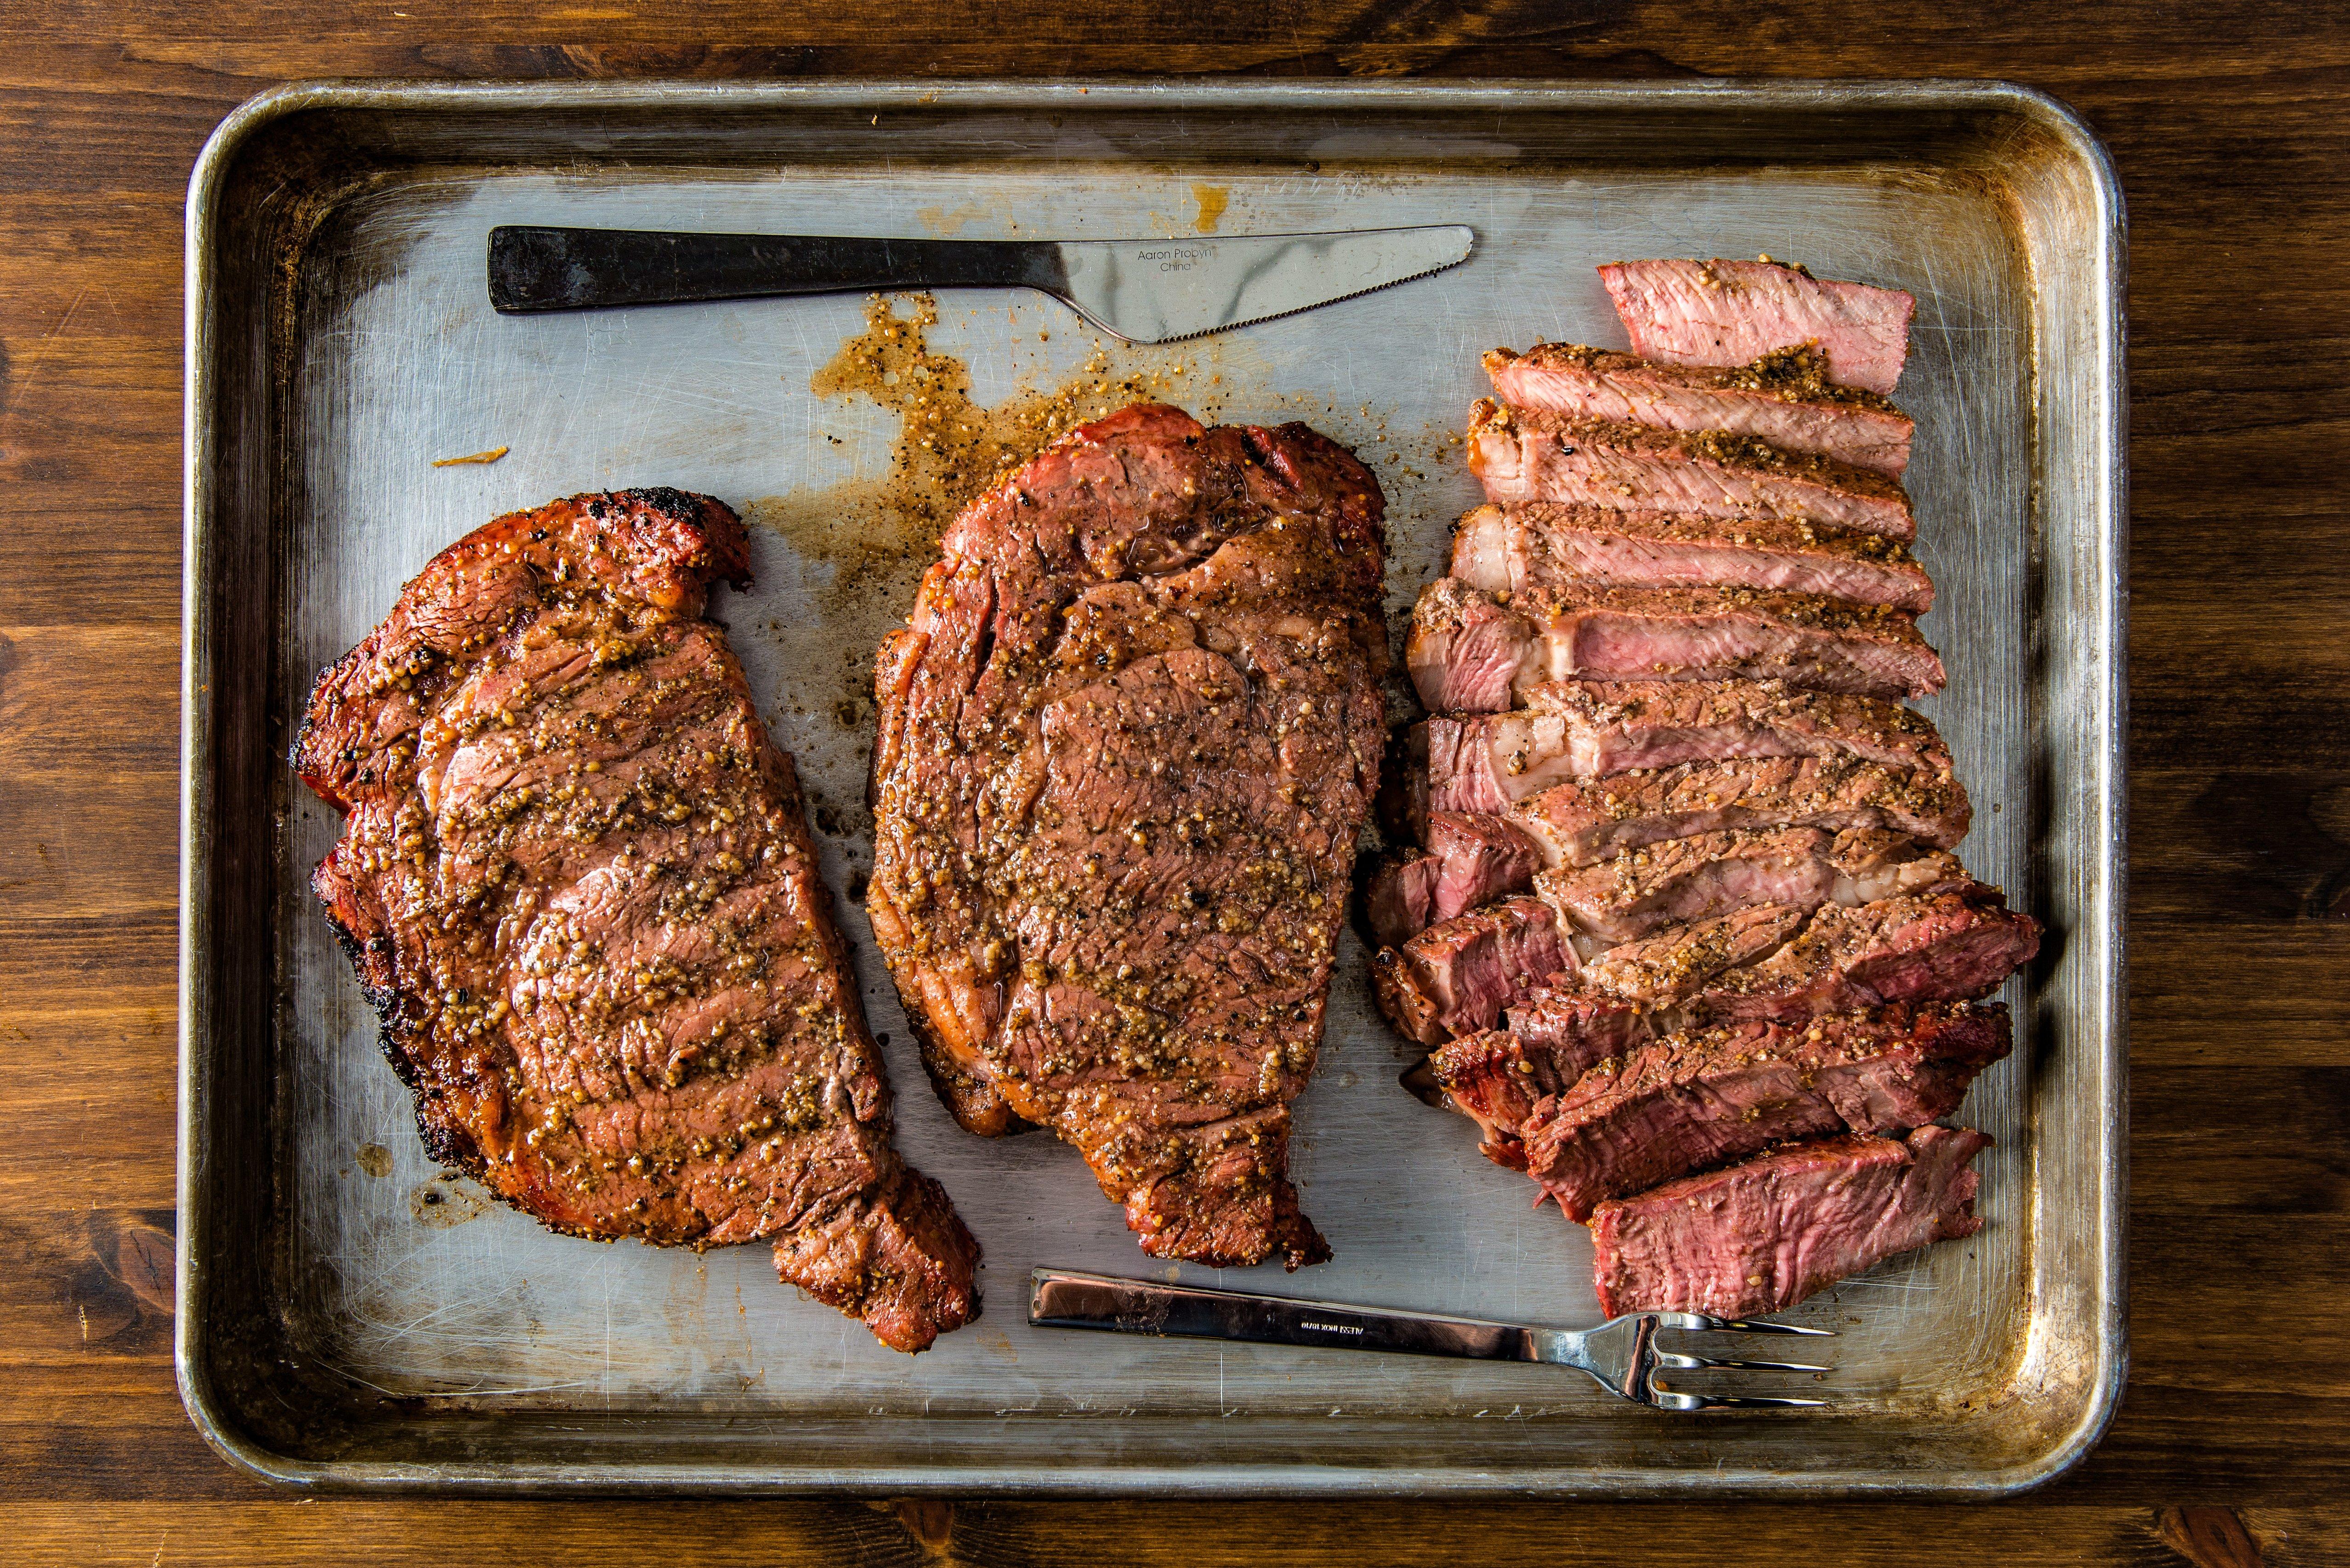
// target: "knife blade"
[[1143, 291]]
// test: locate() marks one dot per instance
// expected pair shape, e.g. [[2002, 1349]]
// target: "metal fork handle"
[[535, 268], [1060, 1298]]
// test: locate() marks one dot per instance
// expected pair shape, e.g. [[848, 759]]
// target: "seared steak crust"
[[1961, 941], [1128, 741], [576, 880], [1771, 961], [1671, 968]]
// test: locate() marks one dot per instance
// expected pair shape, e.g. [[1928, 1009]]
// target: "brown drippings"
[[441, 1204], [1213, 201], [949, 449]]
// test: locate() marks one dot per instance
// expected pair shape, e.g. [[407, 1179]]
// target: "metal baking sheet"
[[352, 1317]]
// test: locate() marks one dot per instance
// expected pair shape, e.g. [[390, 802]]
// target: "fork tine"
[[1673, 1358], [1754, 1326], [1732, 1401]]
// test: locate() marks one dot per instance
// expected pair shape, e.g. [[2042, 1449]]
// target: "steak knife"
[[1144, 291]]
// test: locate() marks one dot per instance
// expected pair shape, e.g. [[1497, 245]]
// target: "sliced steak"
[[1587, 821], [1526, 454], [1480, 859], [1469, 859], [1731, 311], [1748, 964], [1468, 652], [1620, 725], [1761, 1236], [1590, 729], [1559, 1030], [1482, 762], [1666, 976], [1128, 743], [1457, 976], [1784, 398], [577, 882], [1497, 1079], [1530, 544], [1771, 961], [1400, 894], [1958, 942], [1711, 1095], [1679, 881]]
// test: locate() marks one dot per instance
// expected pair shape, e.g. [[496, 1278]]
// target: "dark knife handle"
[[1059, 1298], [535, 269]]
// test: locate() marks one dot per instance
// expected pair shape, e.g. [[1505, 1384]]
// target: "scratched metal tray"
[[352, 1317]]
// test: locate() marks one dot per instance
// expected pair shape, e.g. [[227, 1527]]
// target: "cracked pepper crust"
[[576, 880], [1129, 740]]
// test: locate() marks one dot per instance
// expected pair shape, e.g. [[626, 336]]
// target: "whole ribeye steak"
[[577, 882], [1127, 741]]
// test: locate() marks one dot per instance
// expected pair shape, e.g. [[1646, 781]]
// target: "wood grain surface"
[[2228, 123]]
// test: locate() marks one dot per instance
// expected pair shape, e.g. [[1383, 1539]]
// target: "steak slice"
[[1470, 859], [1584, 822], [1468, 652], [1400, 894], [577, 882], [1671, 970], [1761, 1236], [1526, 454], [1690, 1101], [1947, 949], [1956, 942], [1784, 398], [1457, 976], [1497, 1079], [1679, 881], [1128, 743], [1592, 729], [1788, 964], [1731, 311], [1530, 544], [1643, 990]]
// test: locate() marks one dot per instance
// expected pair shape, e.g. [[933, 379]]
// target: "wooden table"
[[2228, 123]]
